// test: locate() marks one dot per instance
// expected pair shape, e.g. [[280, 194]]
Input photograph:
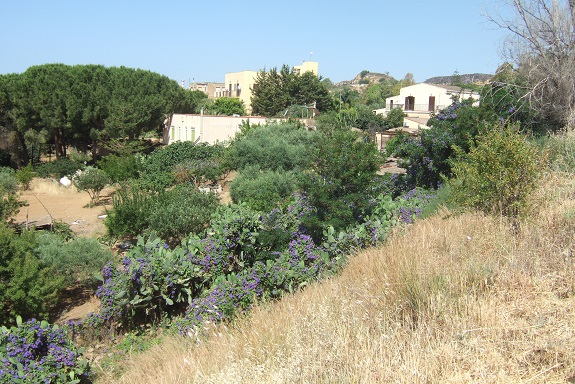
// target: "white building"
[[206, 128], [420, 100]]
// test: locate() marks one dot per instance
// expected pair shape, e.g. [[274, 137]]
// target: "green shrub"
[[58, 168], [120, 168], [91, 180], [157, 168], [79, 156], [499, 173], [25, 175], [183, 210], [9, 203], [427, 158], [8, 181], [392, 146], [341, 182], [199, 172], [26, 287], [62, 230], [561, 148], [169, 214], [77, 260], [274, 147], [394, 118], [263, 190], [130, 213]]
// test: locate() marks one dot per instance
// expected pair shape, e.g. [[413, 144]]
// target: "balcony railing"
[[416, 108]]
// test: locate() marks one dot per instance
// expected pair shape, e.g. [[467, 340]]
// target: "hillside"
[[366, 77], [471, 78], [453, 298]]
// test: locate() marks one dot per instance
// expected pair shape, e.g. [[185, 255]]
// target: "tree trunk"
[[58, 147], [21, 149], [95, 150]]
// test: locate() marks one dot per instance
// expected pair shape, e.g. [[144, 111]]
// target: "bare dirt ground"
[[48, 199], [390, 167]]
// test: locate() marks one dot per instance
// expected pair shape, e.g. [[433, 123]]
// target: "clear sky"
[[203, 40]]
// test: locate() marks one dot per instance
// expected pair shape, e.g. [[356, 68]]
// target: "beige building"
[[206, 128], [307, 66], [240, 85], [212, 90]]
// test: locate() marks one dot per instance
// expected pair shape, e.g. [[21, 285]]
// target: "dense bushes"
[[263, 190], [183, 210], [241, 257], [58, 168], [78, 260], [275, 147], [394, 118], [339, 185], [36, 267], [9, 203], [27, 288], [130, 212], [427, 158], [561, 148], [157, 169], [120, 168], [268, 159], [171, 214]]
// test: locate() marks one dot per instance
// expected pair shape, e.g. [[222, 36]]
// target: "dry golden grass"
[[453, 298], [50, 187]]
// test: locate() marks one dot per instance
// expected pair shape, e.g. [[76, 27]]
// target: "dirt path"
[[47, 199]]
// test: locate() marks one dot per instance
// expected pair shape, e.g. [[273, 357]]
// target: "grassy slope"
[[453, 298]]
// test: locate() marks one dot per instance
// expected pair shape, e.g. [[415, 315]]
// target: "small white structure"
[[207, 128], [428, 98]]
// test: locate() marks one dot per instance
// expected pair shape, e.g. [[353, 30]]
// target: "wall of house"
[[307, 66], [212, 90], [239, 85], [421, 93], [205, 128]]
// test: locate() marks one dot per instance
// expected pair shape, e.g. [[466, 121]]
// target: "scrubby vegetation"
[[304, 204]]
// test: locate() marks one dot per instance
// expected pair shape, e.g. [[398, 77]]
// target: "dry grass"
[[50, 187], [453, 299]]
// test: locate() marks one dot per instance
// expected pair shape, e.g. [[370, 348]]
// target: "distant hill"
[[366, 78], [472, 78]]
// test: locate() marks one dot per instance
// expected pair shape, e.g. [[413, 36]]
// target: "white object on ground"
[[65, 181]]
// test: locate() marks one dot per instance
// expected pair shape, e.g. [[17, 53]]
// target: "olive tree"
[[541, 43], [93, 181]]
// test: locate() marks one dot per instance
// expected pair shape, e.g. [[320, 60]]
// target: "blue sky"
[[203, 40]]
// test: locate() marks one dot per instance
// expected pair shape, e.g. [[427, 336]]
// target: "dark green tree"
[[228, 106], [394, 119], [340, 183], [274, 92], [83, 106]]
